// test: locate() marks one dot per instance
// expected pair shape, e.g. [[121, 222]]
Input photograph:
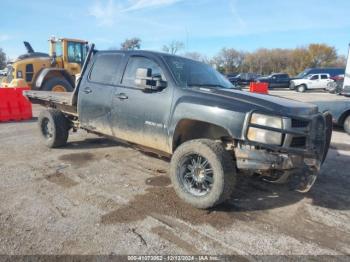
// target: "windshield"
[[76, 52], [190, 73], [303, 74]]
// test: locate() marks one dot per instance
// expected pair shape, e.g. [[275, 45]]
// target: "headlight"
[[264, 136], [265, 120]]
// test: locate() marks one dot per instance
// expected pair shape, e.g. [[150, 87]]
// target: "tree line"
[[262, 61]]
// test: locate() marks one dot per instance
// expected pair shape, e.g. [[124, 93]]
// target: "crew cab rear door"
[[142, 116], [96, 92], [324, 80]]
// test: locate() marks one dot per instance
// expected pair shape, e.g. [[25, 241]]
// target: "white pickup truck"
[[314, 81]]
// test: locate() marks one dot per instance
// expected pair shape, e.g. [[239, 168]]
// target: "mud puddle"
[[160, 181], [163, 201], [77, 159], [60, 179]]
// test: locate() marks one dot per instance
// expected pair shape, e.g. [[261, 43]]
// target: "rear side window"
[[324, 77], [106, 69]]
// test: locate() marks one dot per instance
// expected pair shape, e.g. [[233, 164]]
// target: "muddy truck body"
[[187, 111]]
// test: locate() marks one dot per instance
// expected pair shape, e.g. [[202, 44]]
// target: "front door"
[[313, 82], [142, 116], [96, 93]]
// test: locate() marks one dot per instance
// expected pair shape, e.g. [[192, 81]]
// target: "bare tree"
[[229, 60], [173, 47], [131, 44]]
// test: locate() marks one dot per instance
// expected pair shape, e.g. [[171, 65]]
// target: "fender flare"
[[42, 76]]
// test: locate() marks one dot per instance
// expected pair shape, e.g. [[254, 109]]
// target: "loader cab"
[[68, 53]]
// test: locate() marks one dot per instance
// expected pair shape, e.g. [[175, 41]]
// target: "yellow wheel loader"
[[55, 71]]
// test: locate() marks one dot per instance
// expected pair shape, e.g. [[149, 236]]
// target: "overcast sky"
[[203, 25]]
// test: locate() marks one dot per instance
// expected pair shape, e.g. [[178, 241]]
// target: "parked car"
[[243, 79], [3, 72], [316, 81], [276, 80], [336, 87], [338, 77], [340, 110], [186, 110], [327, 70]]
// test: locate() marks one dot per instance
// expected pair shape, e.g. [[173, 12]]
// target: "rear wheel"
[[57, 84], [301, 88], [54, 128], [347, 124], [203, 173]]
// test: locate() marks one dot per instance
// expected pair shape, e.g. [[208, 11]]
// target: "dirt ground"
[[98, 196]]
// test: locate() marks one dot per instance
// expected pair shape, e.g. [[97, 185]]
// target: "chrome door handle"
[[122, 96], [87, 90]]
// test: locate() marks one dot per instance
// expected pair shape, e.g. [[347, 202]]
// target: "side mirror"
[[146, 81]]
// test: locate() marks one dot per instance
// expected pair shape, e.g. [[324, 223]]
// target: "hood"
[[299, 80], [273, 104]]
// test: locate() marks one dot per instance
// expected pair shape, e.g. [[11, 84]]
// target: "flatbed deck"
[[59, 100], [63, 98]]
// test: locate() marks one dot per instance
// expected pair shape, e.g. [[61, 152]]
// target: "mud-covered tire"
[[57, 84], [54, 128], [223, 175], [347, 124], [301, 88]]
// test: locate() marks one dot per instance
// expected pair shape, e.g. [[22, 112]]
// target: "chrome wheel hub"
[[196, 175]]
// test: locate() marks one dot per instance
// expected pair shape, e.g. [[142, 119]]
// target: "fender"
[[44, 73], [188, 108]]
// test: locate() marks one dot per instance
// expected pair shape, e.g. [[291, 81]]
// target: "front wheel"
[[203, 173], [301, 88]]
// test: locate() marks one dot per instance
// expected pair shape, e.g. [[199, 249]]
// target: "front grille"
[[296, 123], [299, 142]]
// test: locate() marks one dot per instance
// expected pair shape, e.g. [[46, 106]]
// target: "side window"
[[140, 62], [105, 69], [315, 77], [29, 72], [324, 77], [59, 49]]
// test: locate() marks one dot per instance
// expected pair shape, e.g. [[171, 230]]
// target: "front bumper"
[[303, 150]]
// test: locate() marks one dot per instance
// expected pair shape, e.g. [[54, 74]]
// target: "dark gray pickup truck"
[[186, 110]]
